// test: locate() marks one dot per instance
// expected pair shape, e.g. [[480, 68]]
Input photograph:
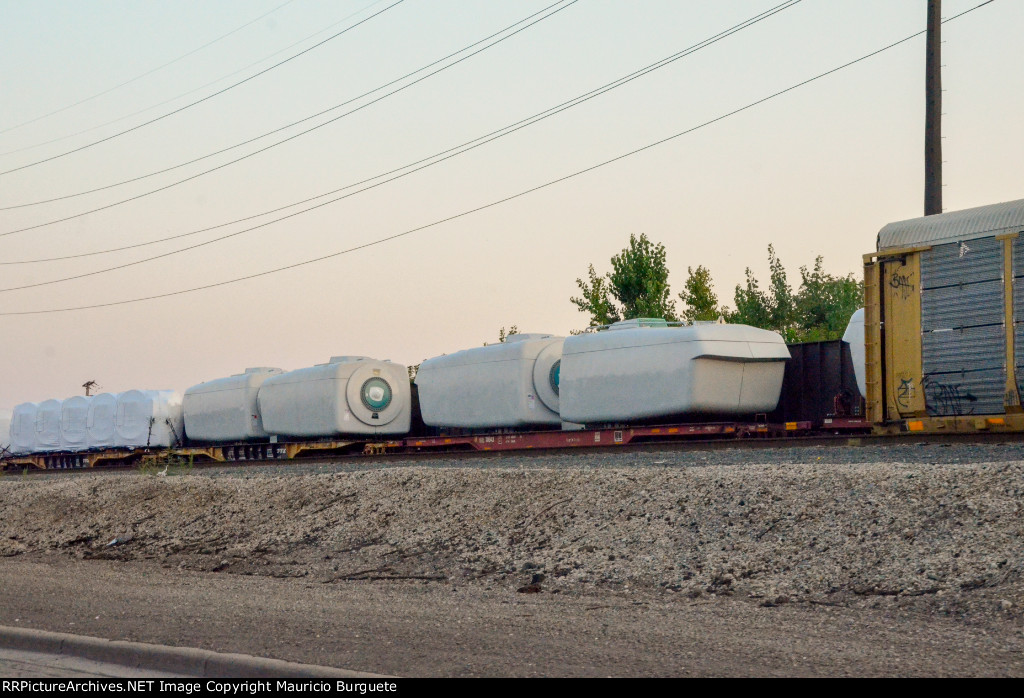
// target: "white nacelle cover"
[[349, 395], [23, 428], [99, 427], [74, 421], [512, 384], [621, 375], [148, 418], [226, 409], [5, 430], [48, 415], [854, 336]]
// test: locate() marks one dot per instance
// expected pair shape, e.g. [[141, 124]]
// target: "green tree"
[[639, 280], [819, 311], [637, 286], [825, 303], [597, 299], [774, 309], [699, 297], [781, 304], [502, 335], [751, 304]]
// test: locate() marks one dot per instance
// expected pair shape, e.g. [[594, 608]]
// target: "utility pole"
[[933, 113]]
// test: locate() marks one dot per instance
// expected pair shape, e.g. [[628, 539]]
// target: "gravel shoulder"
[[688, 549]]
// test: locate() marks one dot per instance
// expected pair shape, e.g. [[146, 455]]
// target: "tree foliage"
[[637, 286], [597, 299], [503, 335], [639, 280], [826, 302], [773, 309], [819, 310], [699, 297]]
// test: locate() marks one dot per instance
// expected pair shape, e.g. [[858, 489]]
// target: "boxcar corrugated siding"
[[963, 340]]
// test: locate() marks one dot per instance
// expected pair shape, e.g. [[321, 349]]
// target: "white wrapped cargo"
[[48, 415], [100, 422], [512, 384], [148, 418], [226, 409], [74, 421], [637, 372], [854, 336], [23, 428], [5, 430], [350, 395]]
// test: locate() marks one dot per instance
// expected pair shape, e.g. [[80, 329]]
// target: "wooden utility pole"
[[933, 113]]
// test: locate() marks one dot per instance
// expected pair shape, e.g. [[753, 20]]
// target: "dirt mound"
[[948, 536]]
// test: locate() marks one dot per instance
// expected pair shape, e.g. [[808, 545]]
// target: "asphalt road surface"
[[426, 629]]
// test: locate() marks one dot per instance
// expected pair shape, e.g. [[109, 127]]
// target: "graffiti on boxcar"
[[905, 392], [902, 283], [946, 399]]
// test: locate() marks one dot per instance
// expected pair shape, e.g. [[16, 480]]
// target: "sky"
[[816, 171]]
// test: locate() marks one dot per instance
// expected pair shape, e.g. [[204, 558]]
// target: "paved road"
[[15, 664], [417, 629]]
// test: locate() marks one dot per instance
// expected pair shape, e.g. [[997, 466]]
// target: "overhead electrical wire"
[[195, 89], [568, 3], [294, 123], [492, 204], [437, 157], [204, 99], [148, 72]]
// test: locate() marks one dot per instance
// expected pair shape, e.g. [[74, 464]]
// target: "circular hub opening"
[[376, 394]]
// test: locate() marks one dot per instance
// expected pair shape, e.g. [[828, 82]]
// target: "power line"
[[318, 126], [196, 89], [286, 126], [148, 72], [493, 203], [208, 97], [431, 160]]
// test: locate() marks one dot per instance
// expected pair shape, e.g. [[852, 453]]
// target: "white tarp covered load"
[[637, 372], [5, 430], [74, 423], [148, 418], [100, 422], [226, 409], [349, 395], [511, 384], [854, 336], [48, 415], [23, 428]]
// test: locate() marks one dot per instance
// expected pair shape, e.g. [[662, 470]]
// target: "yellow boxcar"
[[944, 322]]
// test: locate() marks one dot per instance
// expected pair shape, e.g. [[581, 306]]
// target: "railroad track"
[[666, 445]]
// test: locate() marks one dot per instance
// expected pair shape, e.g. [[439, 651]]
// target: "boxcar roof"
[[983, 221]]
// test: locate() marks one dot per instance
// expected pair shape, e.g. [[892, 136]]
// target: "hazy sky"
[[816, 171]]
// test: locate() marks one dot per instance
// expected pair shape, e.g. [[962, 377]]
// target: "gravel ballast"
[[943, 537]]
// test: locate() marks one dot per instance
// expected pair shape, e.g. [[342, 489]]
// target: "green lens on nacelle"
[[376, 394]]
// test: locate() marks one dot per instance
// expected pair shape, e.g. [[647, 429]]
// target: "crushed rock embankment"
[[950, 537]]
